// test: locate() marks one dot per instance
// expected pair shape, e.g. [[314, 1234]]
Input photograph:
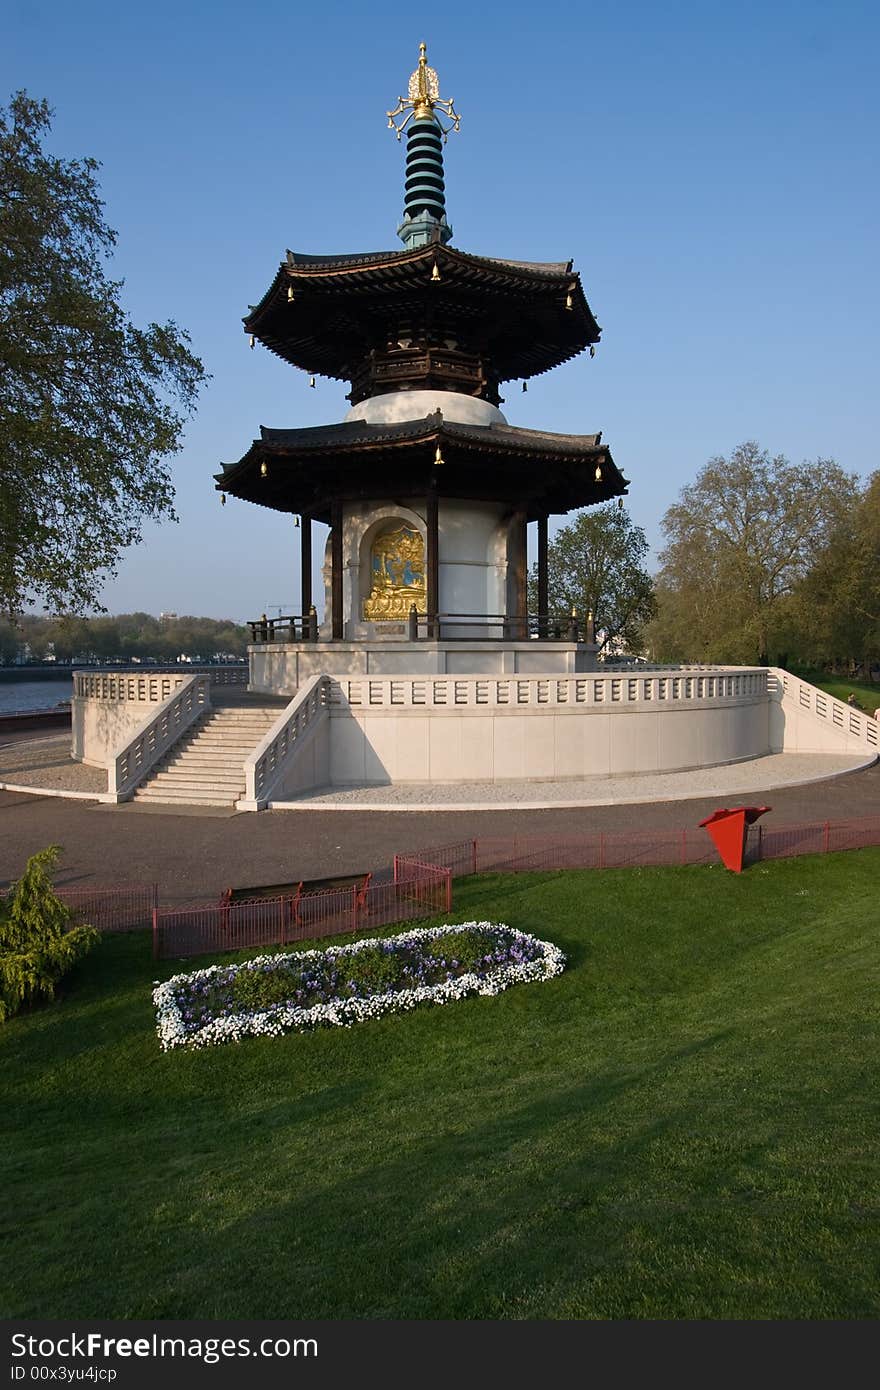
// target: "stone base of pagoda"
[[280, 668]]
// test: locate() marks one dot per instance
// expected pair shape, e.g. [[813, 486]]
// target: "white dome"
[[415, 405]]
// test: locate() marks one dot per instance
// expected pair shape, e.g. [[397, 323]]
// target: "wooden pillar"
[[432, 562], [542, 576], [336, 569], [306, 565], [520, 625]]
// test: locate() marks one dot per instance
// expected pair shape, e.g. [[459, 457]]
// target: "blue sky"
[[711, 168]]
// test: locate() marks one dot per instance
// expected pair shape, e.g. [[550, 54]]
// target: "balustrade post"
[[413, 624]]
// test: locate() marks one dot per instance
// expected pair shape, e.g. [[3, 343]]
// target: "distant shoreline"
[[64, 672]]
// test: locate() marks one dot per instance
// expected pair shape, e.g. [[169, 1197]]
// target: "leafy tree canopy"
[[835, 615], [90, 405], [596, 565], [126, 636], [740, 540]]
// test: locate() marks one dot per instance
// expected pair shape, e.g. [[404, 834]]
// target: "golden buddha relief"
[[397, 576]]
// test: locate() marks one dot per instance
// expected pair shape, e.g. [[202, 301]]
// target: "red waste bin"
[[728, 830]]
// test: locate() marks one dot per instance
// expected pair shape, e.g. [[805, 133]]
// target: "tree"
[[836, 610], [90, 405], [595, 565], [739, 541]]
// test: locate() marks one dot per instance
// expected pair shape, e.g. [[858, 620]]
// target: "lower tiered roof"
[[305, 470]]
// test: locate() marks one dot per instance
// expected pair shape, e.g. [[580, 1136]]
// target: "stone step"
[[218, 784], [230, 772], [232, 724], [206, 766], [201, 758], [218, 742], [187, 798]]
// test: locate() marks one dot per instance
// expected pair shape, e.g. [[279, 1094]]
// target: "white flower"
[[173, 1032]]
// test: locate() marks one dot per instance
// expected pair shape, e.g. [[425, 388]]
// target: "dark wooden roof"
[[343, 308], [307, 468]]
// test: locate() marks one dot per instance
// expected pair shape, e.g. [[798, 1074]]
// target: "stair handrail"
[[273, 755], [852, 724], [131, 762]]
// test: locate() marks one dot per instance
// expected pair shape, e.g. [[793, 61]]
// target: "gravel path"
[[737, 779], [46, 763]]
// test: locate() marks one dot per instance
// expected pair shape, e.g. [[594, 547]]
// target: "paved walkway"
[[194, 853]]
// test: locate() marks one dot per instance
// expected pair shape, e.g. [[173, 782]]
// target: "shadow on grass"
[[424, 1229]]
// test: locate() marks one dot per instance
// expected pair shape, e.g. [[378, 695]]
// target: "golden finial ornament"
[[423, 99]]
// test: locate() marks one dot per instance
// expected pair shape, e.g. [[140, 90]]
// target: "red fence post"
[[601, 850], [283, 933], [448, 890], [826, 837], [354, 908], [684, 847], [474, 870], [155, 933], [395, 868]]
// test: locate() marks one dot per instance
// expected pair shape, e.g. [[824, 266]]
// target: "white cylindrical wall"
[[473, 546]]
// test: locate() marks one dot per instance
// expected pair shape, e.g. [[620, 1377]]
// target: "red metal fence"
[[127, 907], [421, 886], [237, 926], [630, 849]]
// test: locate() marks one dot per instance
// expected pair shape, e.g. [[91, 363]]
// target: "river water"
[[25, 695]]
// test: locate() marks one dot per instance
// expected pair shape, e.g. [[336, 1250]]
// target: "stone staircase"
[[206, 766]]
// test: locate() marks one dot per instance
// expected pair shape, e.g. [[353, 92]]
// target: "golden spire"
[[423, 99]]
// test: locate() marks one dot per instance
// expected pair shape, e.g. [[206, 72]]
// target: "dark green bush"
[[260, 989], [466, 947]]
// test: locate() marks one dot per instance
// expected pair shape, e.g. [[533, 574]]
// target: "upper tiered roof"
[[420, 314]]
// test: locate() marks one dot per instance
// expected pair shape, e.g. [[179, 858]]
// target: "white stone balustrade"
[[120, 685], [109, 707], [447, 728], [138, 754], [519, 692], [807, 720], [292, 756]]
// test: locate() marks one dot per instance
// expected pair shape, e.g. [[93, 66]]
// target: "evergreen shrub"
[[38, 943]]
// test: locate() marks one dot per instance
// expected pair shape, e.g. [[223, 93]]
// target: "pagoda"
[[426, 488]]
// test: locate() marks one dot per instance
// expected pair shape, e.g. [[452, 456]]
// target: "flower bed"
[[298, 991]]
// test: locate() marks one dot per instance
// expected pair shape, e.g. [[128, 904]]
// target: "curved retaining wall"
[[494, 728]]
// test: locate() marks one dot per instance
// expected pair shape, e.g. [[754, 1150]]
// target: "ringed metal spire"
[[424, 207]]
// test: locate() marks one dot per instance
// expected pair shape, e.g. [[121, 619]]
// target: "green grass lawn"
[[684, 1124], [866, 692]]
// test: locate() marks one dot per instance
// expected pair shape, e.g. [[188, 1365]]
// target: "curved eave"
[[307, 468], [317, 332]]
